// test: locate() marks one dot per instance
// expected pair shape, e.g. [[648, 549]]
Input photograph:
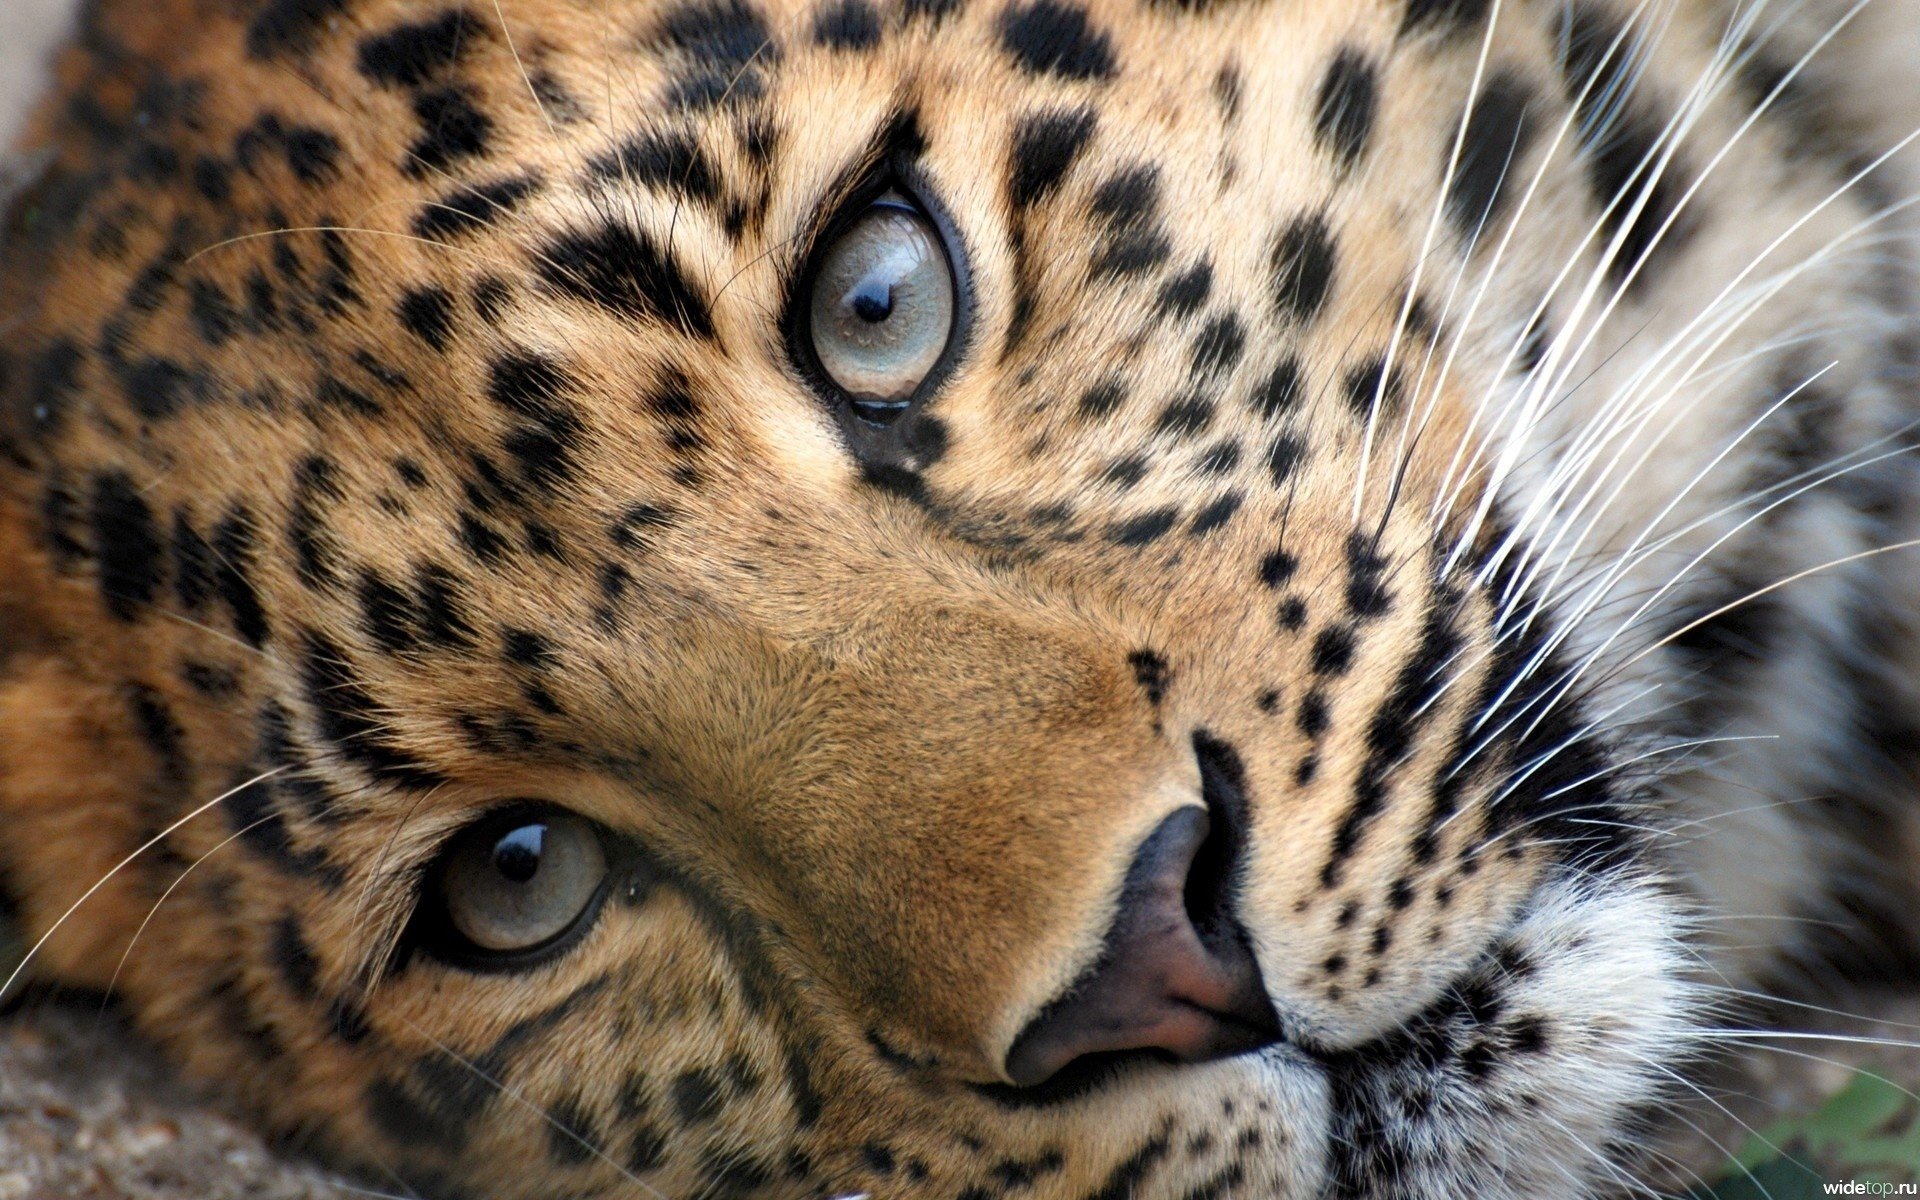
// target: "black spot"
[[1127, 206], [299, 970], [1280, 391], [192, 564], [1333, 651], [1304, 259], [1102, 398], [638, 523], [1151, 673], [1215, 514], [697, 1096], [52, 382], [721, 41], [1349, 98], [526, 384], [1048, 37], [1284, 457], [1496, 137], [624, 271], [1449, 16], [1183, 295], [1219, 346], [1367, 593], [451, 129], [1370, 383], [1221, 457], [161, 731], [847, 25], [470, 209], [442, 614], [530, 386], [157, 387], [932, 10], [427, 313], [312, 154], [213, 682], [1045, 147], [721, 33], [1292, 616], [315, 486], [1278, 567], [126, 545], [386, 613], [1185, 417], [525, 648], [1621, 140], [1312, 717], [1145, 528], [330, 391], [410, 55], [1391, 737], [290, 26], [351, 719], [214, 317], [1126, 471], [213, 179], [572, 1137], [1125, 1180], [925, 439], [491, 294], [233, 552], [671, 161]]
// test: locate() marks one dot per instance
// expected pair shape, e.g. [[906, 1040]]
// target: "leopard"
[[963, 599]]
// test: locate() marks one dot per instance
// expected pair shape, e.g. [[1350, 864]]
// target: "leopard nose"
[[1175, 978]]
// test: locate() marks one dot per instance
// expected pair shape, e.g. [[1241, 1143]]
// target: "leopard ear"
[[72, 772]]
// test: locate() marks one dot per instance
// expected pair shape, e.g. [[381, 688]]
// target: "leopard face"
[[939, 598]]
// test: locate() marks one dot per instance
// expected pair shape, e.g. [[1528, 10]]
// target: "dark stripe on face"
[[471, 209], [1497, 136], [1393, 731], [412, 54], [126, 544], [624, 271], [352, 722], [671, 162]]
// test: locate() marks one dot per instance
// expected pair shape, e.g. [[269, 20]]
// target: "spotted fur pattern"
[[1392, 415]]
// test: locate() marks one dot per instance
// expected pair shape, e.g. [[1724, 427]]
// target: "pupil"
[[871, 300], [517, 855]]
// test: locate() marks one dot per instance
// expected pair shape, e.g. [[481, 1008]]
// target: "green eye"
[[516, 885], [882, 307]]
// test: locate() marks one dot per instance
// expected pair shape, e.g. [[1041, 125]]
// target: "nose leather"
[[1160, 984]]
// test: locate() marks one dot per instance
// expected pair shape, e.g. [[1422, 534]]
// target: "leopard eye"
[[520, 883], [882, 308]]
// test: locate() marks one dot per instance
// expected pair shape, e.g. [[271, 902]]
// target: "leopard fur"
[[1467, 440]]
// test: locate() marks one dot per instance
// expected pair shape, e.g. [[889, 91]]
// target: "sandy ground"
[[28, 31], [88, 1112]]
